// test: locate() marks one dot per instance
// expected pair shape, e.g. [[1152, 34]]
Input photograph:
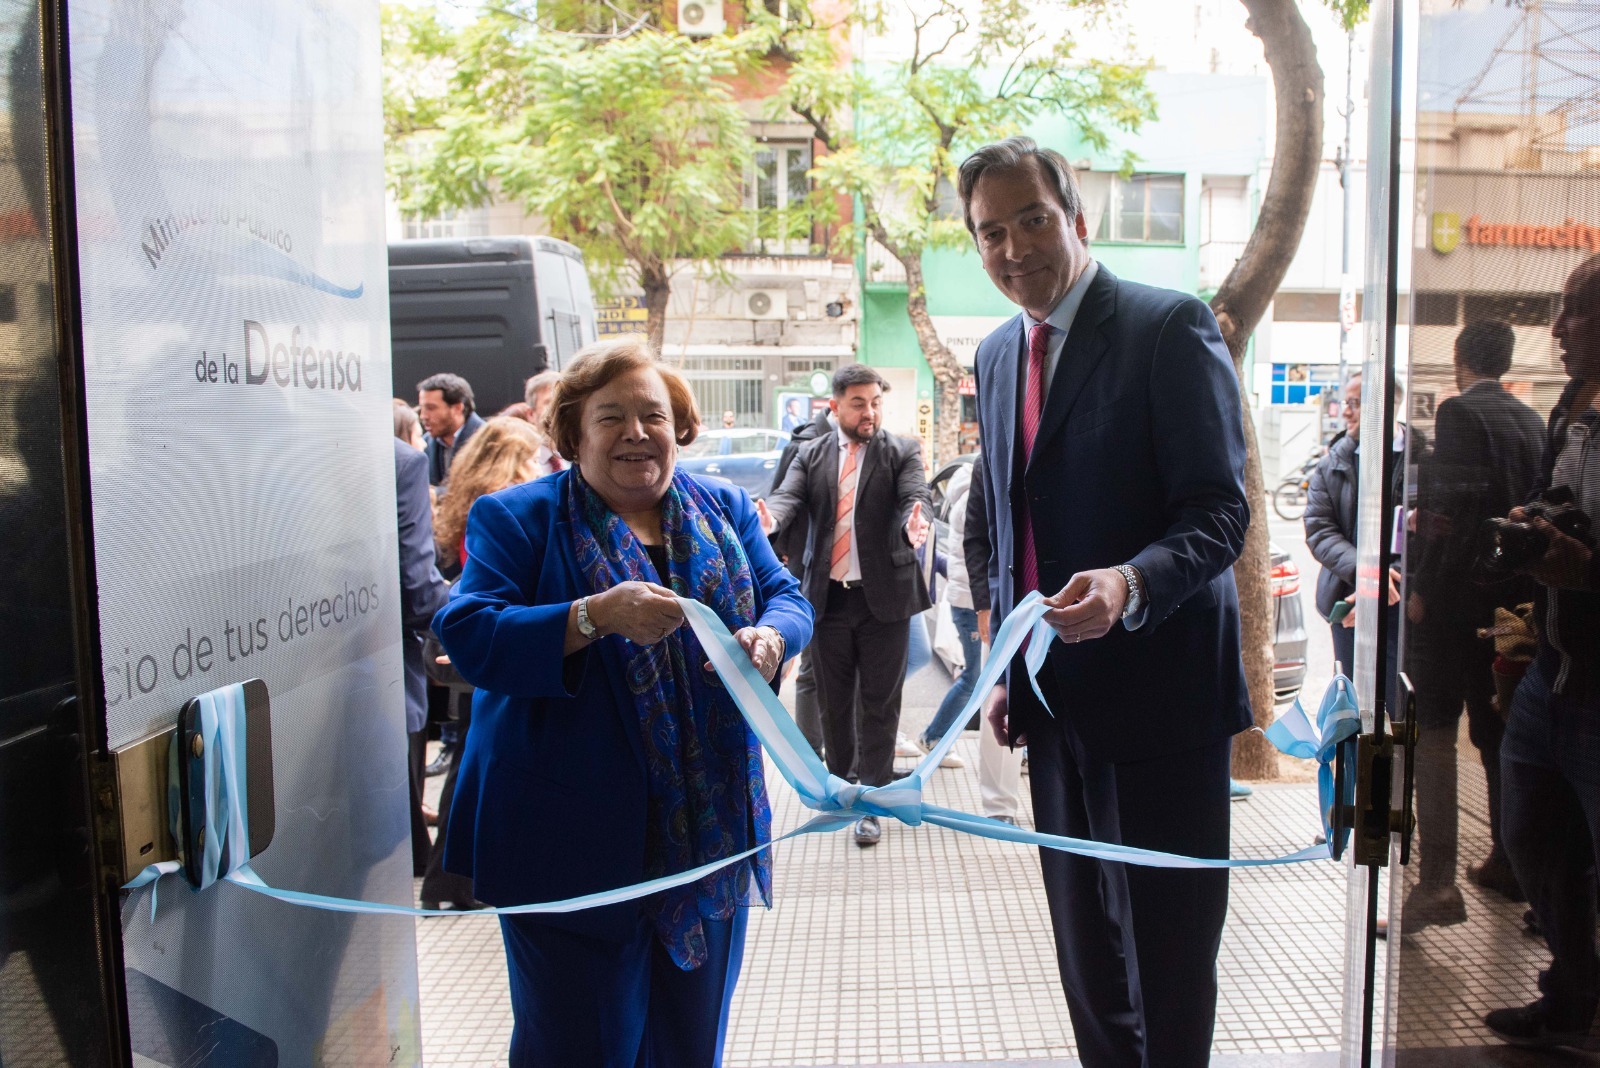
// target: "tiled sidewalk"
[[934, 948]]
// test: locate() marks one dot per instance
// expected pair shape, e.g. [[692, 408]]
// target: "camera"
[[1509, 545]]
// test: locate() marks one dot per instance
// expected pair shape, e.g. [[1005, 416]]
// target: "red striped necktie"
[[1032, 414]]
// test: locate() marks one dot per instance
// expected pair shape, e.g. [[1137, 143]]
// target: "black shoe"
[[1531, 1026], [439, 765], [471, 904], [1496, 874], [867, 832]]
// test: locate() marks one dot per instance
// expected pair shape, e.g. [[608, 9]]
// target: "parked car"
[[1288, 615], [1288, 628], [745, 456]]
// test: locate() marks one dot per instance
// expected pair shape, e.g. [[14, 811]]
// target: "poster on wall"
[[229, 195]]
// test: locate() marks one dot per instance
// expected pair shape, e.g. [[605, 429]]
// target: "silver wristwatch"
[[1135, 590], [586, 625]]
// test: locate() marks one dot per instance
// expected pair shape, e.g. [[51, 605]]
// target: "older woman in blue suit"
[[603, 751]]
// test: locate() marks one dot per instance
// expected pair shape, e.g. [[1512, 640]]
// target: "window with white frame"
[[471, 222], [776, 190], [1136, 209]]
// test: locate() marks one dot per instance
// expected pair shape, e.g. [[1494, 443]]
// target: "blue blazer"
[[551, 790], [1139, 459]]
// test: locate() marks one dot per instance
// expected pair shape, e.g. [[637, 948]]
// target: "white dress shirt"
[[1060, 320]]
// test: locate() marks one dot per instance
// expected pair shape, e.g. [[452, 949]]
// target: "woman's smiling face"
[[629, 445]]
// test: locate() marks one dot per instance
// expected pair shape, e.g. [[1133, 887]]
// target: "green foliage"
[[897, 132], [1352, 13], [633, 148]]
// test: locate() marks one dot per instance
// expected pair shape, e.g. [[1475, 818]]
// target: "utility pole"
[[1347, 293]]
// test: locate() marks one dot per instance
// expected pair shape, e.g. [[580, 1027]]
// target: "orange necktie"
[[844, 516]]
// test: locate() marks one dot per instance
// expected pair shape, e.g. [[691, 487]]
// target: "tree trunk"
[[1239, 306], [657, 285], [947, 370]]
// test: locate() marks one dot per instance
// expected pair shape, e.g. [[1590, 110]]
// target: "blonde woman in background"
[[503, 454]]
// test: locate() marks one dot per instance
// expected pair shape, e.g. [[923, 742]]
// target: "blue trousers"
[[966, 623], [586, 1001], [1550, 782]]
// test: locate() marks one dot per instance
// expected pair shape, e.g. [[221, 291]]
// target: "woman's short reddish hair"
[[592, 368]]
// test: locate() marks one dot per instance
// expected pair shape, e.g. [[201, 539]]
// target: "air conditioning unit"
[[701, 18], [767, 303]]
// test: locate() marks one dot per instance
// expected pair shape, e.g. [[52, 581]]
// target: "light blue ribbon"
[[837, 803], [1338, 722]]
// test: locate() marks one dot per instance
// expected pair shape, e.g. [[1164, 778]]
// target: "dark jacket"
[[438, 470], [423, 590], [1332, 509], [1139, 459], [891, 480], [1569, 619], [1485, 460], [554, 758], [790, 542], [975, 543]]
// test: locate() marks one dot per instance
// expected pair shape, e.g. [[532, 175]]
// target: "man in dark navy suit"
[[1112, 444]]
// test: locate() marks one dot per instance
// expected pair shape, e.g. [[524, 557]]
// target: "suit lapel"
[[1085, 347], [827, 469], [867, 463], [1003, 381]]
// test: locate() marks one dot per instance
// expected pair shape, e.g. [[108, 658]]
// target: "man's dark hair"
[[856, 374], [456, 390], [1013, 154], [1485, 347]]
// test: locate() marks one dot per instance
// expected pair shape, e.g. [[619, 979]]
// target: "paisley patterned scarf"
[[707, 795]]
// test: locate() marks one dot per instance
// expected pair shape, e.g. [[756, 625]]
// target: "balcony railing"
[[1216, 260]]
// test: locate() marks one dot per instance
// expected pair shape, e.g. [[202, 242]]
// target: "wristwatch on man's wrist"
[[1130, 575], [586, 625]]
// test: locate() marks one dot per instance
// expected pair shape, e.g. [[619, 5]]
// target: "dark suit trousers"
[[421, 844], [1452, 668], [851, 652], [1137, 946]]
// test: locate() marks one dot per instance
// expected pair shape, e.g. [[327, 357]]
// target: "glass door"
[[60, 962], [1484, 664]]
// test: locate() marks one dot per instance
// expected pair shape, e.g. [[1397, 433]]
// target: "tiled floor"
[[934, 949]]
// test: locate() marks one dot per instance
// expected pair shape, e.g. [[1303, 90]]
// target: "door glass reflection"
[[1501, 631]]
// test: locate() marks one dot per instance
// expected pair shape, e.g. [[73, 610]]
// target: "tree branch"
[[1298, 90]]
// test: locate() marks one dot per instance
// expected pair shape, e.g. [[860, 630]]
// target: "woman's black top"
[[658, 558]]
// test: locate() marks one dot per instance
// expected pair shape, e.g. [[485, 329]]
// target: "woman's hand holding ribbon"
[[642, 612], [765, 648]]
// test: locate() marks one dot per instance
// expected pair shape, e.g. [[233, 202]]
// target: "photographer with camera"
[[1550, 755]]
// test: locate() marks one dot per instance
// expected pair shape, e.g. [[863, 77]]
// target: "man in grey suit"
[[864, 493], [423, 591], [1484, 462]]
